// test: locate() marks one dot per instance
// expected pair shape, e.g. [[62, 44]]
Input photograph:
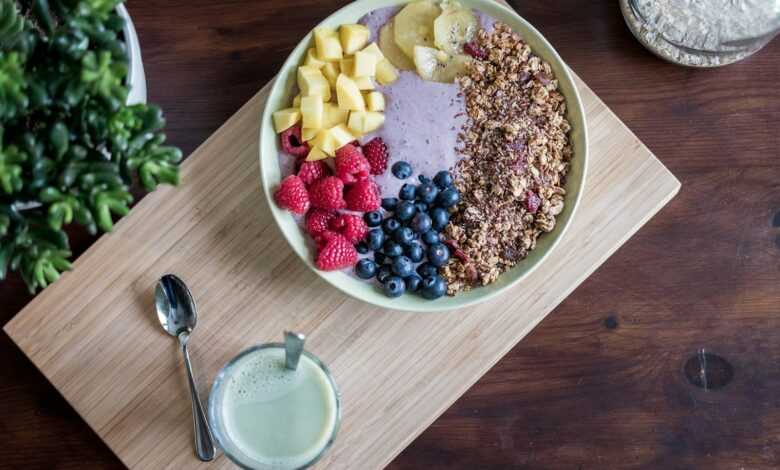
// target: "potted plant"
[[71, 146]]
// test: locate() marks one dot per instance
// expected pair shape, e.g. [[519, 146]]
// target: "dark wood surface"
[[612, 378]]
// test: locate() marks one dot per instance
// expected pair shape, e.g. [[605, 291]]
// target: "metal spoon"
[[293, 348], [177, 314]]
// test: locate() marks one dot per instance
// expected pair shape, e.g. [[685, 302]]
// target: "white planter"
[[135, 73]]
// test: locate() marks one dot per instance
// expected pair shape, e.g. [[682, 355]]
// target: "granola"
[[516, 154]]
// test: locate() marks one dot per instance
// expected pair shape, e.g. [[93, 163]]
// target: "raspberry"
[[351, 165], [375, 151], [474, 51], [335, 252], [363, 196], [318, 221], [532, 202], [327, 193], [310, 172], [292, 142], [292, 195], [351, 227]]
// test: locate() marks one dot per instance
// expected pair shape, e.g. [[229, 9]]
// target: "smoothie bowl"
[[423, 155]]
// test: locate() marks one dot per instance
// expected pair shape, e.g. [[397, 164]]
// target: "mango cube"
[[285, 119], [375, 101], [347, 65], [341, 135], [308, 133], [386, 73], [312, 60], [297, 101], [353, 37], [312, 82], [364, 83], [325, 142], [312, 111], [334, 116], [348, 94], [331, 71], [365, 64], [316, 154], [327, 44], [374, 50], [363, 122]]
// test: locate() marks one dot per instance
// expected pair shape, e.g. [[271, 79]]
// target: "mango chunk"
[[325, 142], [286, 118], [363, 122], [316, 154], [374, 50], [331, 71], [334, 116], [312, 82], [364, 83], [347, 66], [365, 64], [353, 37], [312, 111], [375, 101], [312, 60], [341, 135], [348, 94], [297, 101], [327, 43], [308, 133], [386, 73]]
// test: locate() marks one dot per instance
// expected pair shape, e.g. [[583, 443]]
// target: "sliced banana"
[[453, 28], [437, 66], [391, 50], [414, 26]]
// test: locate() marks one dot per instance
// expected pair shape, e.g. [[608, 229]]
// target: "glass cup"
[[267, 417]]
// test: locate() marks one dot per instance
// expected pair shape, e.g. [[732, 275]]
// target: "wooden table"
[[611, 379]]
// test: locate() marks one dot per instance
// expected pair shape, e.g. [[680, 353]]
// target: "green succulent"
[[70, 146]]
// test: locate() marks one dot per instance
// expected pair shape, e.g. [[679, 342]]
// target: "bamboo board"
[[105, 352]]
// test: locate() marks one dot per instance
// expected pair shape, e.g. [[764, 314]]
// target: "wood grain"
[[702, 274]]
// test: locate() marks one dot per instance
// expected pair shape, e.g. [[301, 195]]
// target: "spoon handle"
[[204, 442]]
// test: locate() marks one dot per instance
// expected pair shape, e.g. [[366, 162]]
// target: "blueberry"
[[380, 258], [405, 211], [391, 225], [394, 286], [421, 223], [375, 238], [438, 254], [362, 248], [433, 287], [424, 179], [412, 282], [403, 266], [392, 249], [407, 192], [421, 206], [443, 179], [365, 269], [448, 198], [431, 237], [426, 192], [440, 217], [373, 218], [427, 270], [383, 273], [389, 203], [401, 170], [403, 235], [414, 251]]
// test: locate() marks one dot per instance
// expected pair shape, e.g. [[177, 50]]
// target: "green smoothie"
[[266, 416]]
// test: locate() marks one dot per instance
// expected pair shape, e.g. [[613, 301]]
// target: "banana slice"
[[453, 28], [391, 50], [414, 26], [437, 66]]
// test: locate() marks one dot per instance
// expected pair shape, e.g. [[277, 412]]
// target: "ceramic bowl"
[[281, 95]]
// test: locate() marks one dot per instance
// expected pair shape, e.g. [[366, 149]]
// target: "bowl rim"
[[573, 101]]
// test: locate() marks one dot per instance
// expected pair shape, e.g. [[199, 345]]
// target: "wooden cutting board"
[[105, 352]]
